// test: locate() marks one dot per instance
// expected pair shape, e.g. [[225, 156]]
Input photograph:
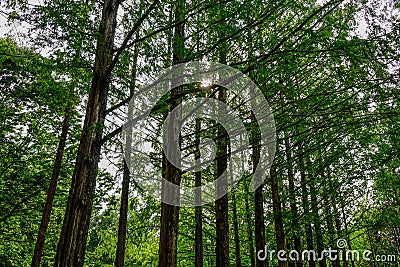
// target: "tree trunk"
[[346, 227], [167, 253], [317, 225], [278, 219], [44, 223], [198, 249], [306, 207], [336, 263], [236, 232], [72, 243], [123, 211], [221, 204], [250, 234], [329, 201], [293, 205], [259, 227]]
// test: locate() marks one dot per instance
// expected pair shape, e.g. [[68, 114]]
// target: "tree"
[[332, 90], [169, 213], [44, 223], [72, 243]]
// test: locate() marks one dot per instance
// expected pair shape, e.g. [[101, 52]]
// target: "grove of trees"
[[70, 71]]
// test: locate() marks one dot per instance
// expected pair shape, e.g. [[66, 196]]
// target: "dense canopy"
[[73, 72]]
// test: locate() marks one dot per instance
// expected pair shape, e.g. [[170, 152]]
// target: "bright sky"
[[3, 28]]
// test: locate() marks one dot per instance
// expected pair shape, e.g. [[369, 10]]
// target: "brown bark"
[[236, 232], [292, 197], [336, 263], [123, 210], [306, 207], [44, 223], [221, 204], [250, 234], [278, 219], [317, 225], [259, 227], [198, 246], [346, 228], [336, 217], [72, 243], [328, 203], [167, 253]]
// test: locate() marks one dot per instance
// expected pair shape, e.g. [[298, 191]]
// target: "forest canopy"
[[89, 142]]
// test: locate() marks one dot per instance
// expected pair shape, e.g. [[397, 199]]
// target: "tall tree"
[[221, 204], [72, 243], [238, 260], [123, 214], [250, 233], [167, 252], [293, 202], [44, 223], [198, 210], [277, 209]]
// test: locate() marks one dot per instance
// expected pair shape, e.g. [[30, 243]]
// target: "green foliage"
[[334, 94], [33, 100]]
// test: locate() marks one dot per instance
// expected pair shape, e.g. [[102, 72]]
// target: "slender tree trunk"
[[317, 225], [306, 207], [123, 211], [72, 243], [328, 216], [336, 263], [236, 232], [250, 233], [198, 252], [371, 243], [221, 204], [293, 205], [167, 253], [44, 223], [259, 227], [346, 228], [278, 219], [330, 206]]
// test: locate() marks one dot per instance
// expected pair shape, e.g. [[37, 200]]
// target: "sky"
[[361, 29]]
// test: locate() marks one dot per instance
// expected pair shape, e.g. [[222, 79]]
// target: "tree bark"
[[238, 260], [293, 205], [198, 249], [306, 207], [250, 234], [123, 211], [344, 218], [44, 223], [221, 204], [328, 203], [278, 219], [259, 227], [317, 225], [167, 253], [72, 243]]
